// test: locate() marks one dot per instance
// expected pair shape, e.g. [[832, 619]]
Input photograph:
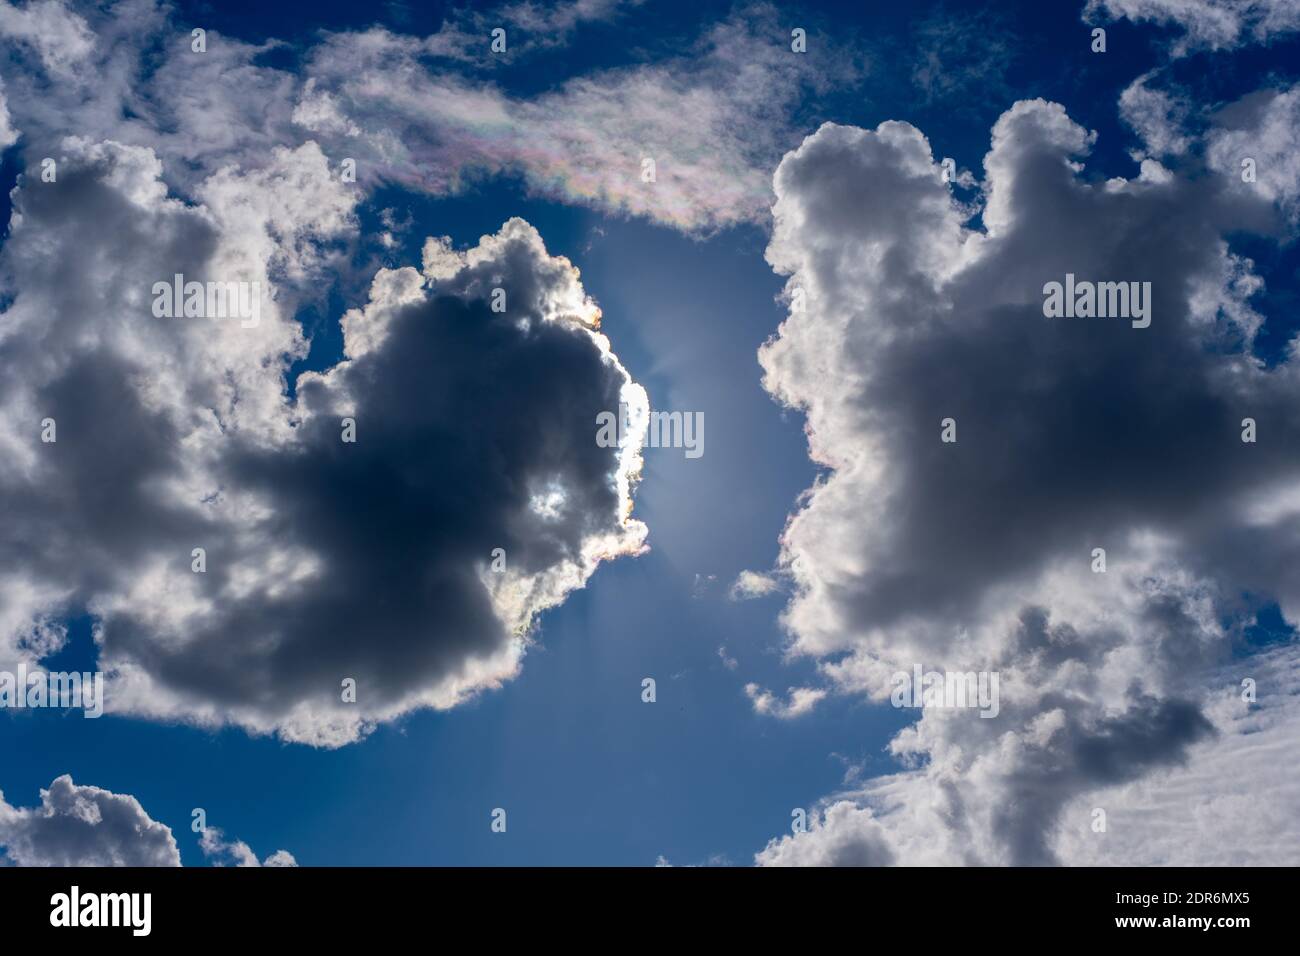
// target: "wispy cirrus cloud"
[[1205, 24], [530, 27], [714, 120], [714, 116]]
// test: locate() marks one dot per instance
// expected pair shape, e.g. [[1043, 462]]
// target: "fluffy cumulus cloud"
[[342, 583], [801, 700], [1071, 434], [223, 852], [844, 835], [325, 560], [84, 826], [1206, 24]]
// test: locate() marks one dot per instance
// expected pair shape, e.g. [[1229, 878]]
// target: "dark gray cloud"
[[466, 419], [1072, 434], [325, 560]]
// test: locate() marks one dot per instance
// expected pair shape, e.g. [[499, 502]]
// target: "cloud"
[[177, 434], [962, 53], [801, 701], [1265, 128], [531, 28], [1071, 434], [1261, 130], [238, 853], [326, 562], [87, 826], [1157, 116], [843, 835], [752, 584], [8, 136], [1251, 142], [1230, 803], [1205, 24], [1233, 804], [715, 117], [58, 36], [84, 826]]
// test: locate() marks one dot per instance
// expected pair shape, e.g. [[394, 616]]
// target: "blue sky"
[[588, 773]]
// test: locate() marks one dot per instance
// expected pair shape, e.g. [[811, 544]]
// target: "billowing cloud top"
[[324, 560], [87, 826], [1071, 434], [84, 826]]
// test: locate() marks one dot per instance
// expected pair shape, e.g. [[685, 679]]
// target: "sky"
[[799, 275]]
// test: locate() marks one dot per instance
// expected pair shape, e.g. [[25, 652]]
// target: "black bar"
[[910, 905]]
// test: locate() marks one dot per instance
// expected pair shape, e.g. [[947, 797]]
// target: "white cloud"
[[841, 835], [1234, 802], [753, 584], [1206, 24], [975, 555], [1158, 117], [59, 36], [87, 826], [713, 120], [84, 826], [8, 135], [1230, 804], [801, 701], [225, 852], [1263, 127], [531, 28]]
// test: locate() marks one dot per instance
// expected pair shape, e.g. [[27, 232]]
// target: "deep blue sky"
[[588, 773]]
